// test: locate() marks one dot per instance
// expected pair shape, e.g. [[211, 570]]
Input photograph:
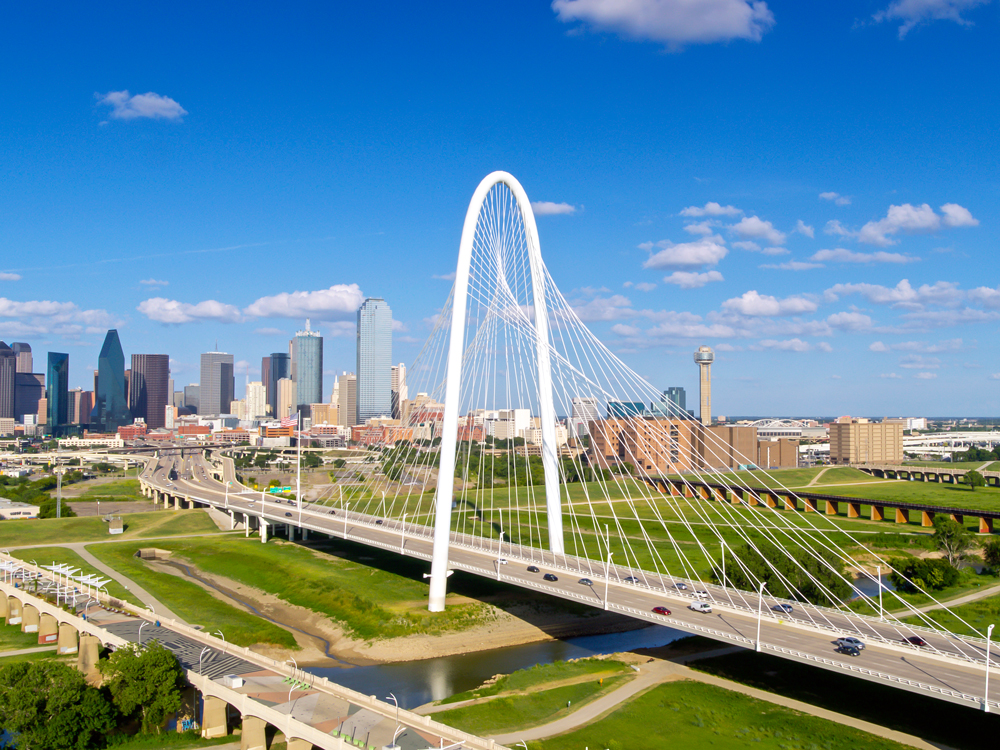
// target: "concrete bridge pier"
[[13, 611], [902, 515], [854, 510], [177, 502], [263, 530], [305, 534], [48, 630], [809, 506], [297, 744], [926, 518], [791, 502], [985, 525], [878, 514], [3, 607], [253, 736], [957, 518], [67, 641], [771, 500], [832, 508], [214, 718], [89, 653], [29, 619]]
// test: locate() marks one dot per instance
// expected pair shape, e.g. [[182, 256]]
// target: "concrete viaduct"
[[925, 473], [812, 502]]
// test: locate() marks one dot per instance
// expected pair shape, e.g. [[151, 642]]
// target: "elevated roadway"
[[949, 667]]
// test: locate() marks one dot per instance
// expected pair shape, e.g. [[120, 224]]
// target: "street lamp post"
[[223, 640], [499, 553], [227, 495], [607, 579], [343, 509], [143, 624], [402, 535], [760, 613], [392, 697], [878, 574], [986, 691], [295, 666], [201, 657]]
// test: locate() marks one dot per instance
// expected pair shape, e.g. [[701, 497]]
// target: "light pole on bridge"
[[986, 692], [607, 579], [760, 612]]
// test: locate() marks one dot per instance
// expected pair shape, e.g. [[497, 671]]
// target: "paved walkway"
[[140, 593], [26, 651], [816, 478], [974, 596], [657, 672]]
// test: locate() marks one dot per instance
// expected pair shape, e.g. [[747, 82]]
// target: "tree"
[[991, 553], [952, 538], [914, 574], [49, 706], [144, 682], [788, 572], [974, 479], [47, 509]]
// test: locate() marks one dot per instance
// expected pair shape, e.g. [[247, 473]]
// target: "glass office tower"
[[110, 402], [57, 391], [281, 367], [374, 360], [149, 389], [308, 368]]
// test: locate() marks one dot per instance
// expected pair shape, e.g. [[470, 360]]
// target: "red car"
[[916, 640], [661, 610]]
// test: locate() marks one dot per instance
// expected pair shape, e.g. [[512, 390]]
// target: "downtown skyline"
[[829, 237]]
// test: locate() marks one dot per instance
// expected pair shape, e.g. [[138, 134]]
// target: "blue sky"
[[809, 188]]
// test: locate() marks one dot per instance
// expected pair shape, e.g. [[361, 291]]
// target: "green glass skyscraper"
[[110, 404], [57, 391]]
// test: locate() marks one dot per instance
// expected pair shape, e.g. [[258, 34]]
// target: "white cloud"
[[905, 218], [891, 376], [342, 329], [692, 279], [840, 200], [711, 209], [877, 346], [802, 228], [787, 345], [444, 276], [955, 215], [47, 317], [703, 228], [269, 332], [986, 296], [914, 12], [775, 251], [165, 310], [903, 294], [840, 255], [10, 276], [548, 208], [326, 304], [919, 362], [925, 375], [625, 330], [753, 247], [642, 286], [615, 307], [753, 227], [154, 282], [850, 321], [753, 303], [673, 22], [948, 345], [995, 376], [926, 319], [150, 105], [836, 228], [399, 326], [704, 252], [793, 265]]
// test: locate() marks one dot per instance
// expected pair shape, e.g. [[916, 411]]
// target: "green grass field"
[[542, 674], [91, 528], [12, 639], [514, 712], [979, 615], [921, 715], [692, 714], [37, 656], [121, 489], [191, 602], [61, 555]]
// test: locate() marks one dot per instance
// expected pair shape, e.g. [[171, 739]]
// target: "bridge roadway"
[[949, 668]]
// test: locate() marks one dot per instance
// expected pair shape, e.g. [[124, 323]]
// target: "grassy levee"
[[12, 639], [58, 555], [934, 720], [693, 714], [543, 674], [966, 465], [191, 602], [979, 615], [842, 475], [91, 528], [370, 602], [513, 712]]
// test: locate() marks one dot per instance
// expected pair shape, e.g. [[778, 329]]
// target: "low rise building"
[[862, 442], [12, 510]]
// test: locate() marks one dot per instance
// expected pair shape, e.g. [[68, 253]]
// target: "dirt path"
[[658, 672], [816, 478]]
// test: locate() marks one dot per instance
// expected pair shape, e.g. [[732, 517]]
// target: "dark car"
[[550, 577], [532, 568], [848, 650], [916, 640], [586, 582], [333, 512], [786, 608], [379, 522], [631, 579], [661, 610], [289, 515]]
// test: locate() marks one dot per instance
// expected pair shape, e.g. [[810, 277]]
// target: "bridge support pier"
[[754, 498], [67, 643], [832, 508], [213, 718], [854, 510], [926, 518], [3, 607], [290, 531], [305, 534], [705, 491], [771, 500], [902, 515], [878, 513], [89, 653], [791, 503], [177, 502], [809, 505], [985, 525], [957, 518], [48, 630], [13, 611], [263, 530], [253, 736], [297, 744], [29, 619], [232, 520], [736, 497]]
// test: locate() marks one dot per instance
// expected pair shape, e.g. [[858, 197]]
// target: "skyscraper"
[[57, 391], [23, 353], [347, 399], [281, 367], [374, 360], [308, 368], [256, 400], [678, 397], [8, 380], [110, 403], [192, 398], [149, 388], [399, 391], [29, 390], [287, 398], [218, 383], [265, 379], [704, 358]]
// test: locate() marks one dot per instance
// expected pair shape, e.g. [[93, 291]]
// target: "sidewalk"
[[657, 672]]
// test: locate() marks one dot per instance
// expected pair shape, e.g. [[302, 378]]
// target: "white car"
[[699, 594]]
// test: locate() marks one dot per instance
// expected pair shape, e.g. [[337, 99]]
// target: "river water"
[[415, 683]]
